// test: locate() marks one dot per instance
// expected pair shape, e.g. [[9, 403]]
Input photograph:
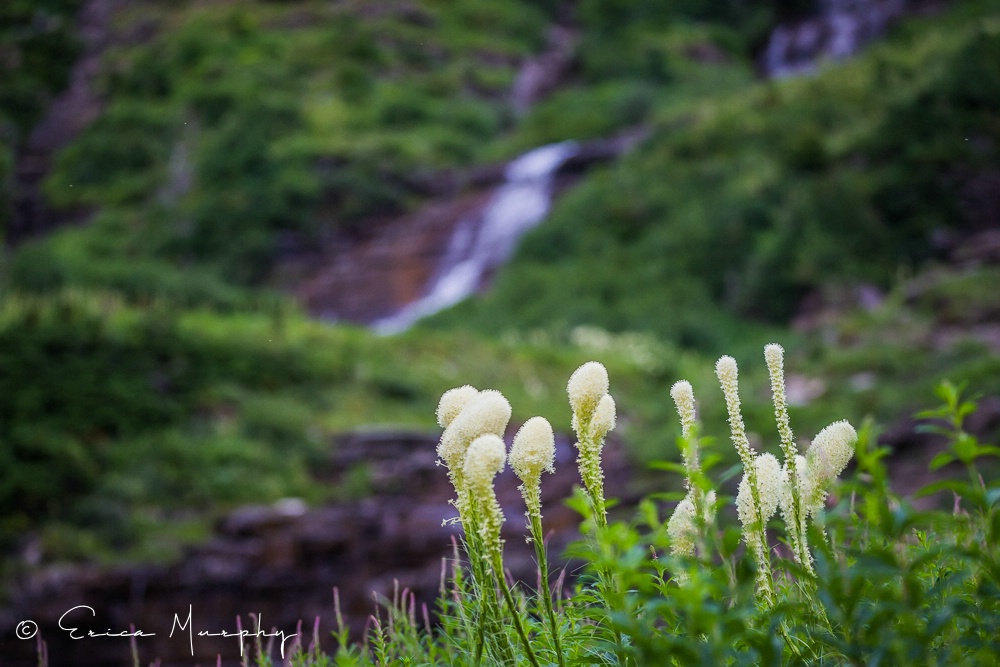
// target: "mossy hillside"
[[236, 134], [745, 201], [238, 129]]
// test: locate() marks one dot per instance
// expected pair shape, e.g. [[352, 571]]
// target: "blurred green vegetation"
[[149, 371], [241, 128], [745, 200], [38, 45], [119, 418]]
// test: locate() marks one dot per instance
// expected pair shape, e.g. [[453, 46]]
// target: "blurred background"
[[248, 244]]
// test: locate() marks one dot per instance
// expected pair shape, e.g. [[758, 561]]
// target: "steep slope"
[[746, 201]]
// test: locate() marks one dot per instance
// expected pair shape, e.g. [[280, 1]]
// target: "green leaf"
[[941, 460], [669, 466], [955, 486]]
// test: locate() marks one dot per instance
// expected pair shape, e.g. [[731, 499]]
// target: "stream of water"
[[487, 240], [483, 242]]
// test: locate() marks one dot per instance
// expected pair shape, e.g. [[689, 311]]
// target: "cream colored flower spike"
[[488, 412], [587, 385], [771, 483], [534, 450], [831, 451], [683, 396]]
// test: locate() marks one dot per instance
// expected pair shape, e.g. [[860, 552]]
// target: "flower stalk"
[[533, 452]]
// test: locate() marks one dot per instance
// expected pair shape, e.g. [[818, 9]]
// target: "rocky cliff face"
[[281, 562]]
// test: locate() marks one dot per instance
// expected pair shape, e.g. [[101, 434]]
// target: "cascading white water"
[[484, 242]]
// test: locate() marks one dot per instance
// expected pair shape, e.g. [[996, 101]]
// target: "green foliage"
[[106, 405], [749, 198], [235, 131], [892, 585], [126, 423], [37, 48]]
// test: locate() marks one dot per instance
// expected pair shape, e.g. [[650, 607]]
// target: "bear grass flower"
[[752, 499], [683, 396], [793, 504], [603, 420], [534, 452], [586, 387], [684, 527], [771, 484], [593, 418], [485, 412], [484, 460], [467, 414], [830, 452]]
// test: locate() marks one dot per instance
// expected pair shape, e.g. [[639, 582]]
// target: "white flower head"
[[603, 420], [831, 451], [586, 386], [728, 374], [774, 355], [485, 458], [682, 528], [452, 402], [487, 412], [772, 482], [745, 506], [533, 451], [683, 396]]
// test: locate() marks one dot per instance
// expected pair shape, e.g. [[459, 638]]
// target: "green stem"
[[543, 573], [484, 595], [514, 611]]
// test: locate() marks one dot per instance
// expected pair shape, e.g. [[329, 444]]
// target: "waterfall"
[[838, 31], [485, 241]]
